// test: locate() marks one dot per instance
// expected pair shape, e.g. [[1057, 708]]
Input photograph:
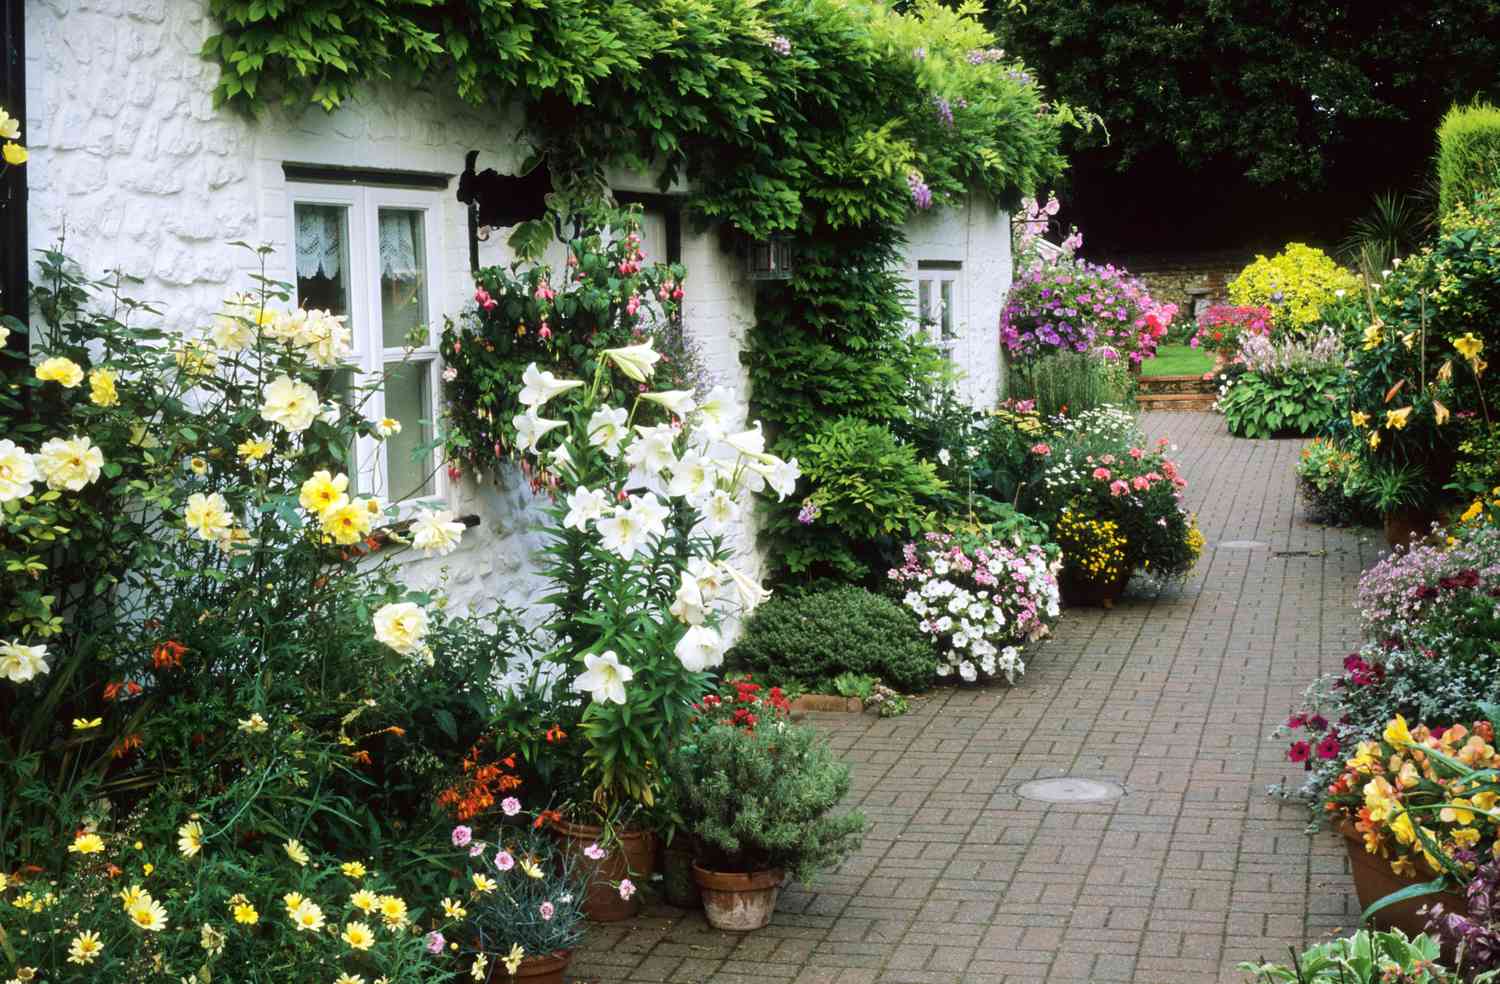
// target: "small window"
[[938, 300], [367, 253]]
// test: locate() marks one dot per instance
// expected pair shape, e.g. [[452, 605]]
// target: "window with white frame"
[[368, 253], [937, 301]]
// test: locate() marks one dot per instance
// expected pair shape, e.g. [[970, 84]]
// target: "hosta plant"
[[1367, 957], [981, 603]]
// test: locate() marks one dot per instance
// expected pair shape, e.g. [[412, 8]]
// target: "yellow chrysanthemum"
[[393, 910], [358, 935], [245, 914], [307, 917], [149, 915], [85, 948], [353, 869], [454, 910], [86, 844], [365, 901], [190, 839], [296, 852]]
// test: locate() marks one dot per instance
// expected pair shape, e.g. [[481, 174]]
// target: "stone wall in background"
[[1186, 279]]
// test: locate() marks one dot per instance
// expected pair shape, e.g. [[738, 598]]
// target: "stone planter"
[[678, 885], [547, 969], [1078, 593], [736, 901], [1374, 880], [633, 856]]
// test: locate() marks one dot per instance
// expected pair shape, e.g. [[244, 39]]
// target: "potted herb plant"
[[525, 909], [758, 795]]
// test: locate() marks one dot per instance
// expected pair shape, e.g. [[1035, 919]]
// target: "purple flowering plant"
[[1069, 304], [1473, 937]]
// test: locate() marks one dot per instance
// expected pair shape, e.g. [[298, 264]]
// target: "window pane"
[[403, 275], [342, 393], [322, 256], [924, 304], [408, 399], [946, 317]]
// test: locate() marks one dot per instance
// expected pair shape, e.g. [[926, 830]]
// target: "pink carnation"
[[1141, 482], [1118, 487], [1102, 474], [461, 836]]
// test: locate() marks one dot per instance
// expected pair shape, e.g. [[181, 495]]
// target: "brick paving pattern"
[[1170, 694]]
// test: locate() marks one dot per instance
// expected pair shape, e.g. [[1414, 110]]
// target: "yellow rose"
[[324, 492], [102, 388], [60, 370], [254, 448], [402, 626], [346, 522], [208, 516], [14, 153]]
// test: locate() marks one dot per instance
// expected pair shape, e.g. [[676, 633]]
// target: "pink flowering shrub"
[[1400, 594], [980, 604], [1222, 327], [1068, 304]]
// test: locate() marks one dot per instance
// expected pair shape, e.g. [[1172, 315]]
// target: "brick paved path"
[[1170, 694]]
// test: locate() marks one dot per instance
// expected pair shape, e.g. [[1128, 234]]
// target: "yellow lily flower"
[[1396, 419]]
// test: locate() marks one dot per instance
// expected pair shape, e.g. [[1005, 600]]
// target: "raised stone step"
[[1175, 384]]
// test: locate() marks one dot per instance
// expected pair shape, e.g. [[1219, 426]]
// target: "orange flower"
[[361, 756], [168, 655], [396, 730], [112, 690], [126, 745], [545, 817], [556, 734]]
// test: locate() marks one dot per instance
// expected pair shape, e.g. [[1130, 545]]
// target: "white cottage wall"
[[135, 169]]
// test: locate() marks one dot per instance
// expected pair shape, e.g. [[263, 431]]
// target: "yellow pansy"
[[1396, 419]]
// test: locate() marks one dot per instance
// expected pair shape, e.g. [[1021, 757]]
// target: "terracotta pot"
[[1078, 593], [736, 901], [1404, 524], [1374, 880], [677, 876], [546, 969], [633, 856]]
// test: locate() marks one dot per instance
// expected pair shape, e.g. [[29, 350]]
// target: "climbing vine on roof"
[[785, 115]]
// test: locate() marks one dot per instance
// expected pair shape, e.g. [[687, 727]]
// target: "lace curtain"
[[320, 245]]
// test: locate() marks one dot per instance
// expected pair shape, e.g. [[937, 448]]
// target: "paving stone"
[[1170, 694]]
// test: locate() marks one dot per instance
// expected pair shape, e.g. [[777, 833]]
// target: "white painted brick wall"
[[131, 163]]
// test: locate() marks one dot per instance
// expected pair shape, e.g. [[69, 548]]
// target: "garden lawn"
[[1178, 360]]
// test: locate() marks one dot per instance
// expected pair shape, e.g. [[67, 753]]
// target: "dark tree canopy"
[[1315, 105]]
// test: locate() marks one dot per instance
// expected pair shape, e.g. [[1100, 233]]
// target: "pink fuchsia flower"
[[627, 889], [1141, 483], [544, 332], [1102, 474], [1042, 449], [1118, 487], [504, 861], [595, 853], [510, 806], [461, 836], [435, 942], [547, 910]]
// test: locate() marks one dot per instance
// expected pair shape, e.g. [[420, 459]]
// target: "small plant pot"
[[1078, 593], [677, 882], [1402, 525], [1374, 880], [739, 902], [545, 969], [633, 856]]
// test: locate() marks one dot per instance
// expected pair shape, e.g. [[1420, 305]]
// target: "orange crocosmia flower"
[[397, 730], [132, 688], [167, 654], [545, 817], [115, 871], [126, 745], [361, 756], [112, 690], [556, 734], [509, 761]]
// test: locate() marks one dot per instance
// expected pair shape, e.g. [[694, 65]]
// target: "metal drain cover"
[[1244, 545], [1071, 789]]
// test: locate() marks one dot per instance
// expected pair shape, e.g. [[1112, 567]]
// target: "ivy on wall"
[[832, 121]]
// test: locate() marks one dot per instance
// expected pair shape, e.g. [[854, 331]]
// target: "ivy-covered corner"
[[831, 122]]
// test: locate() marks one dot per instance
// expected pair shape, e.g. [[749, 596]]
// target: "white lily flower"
[[651, 451], [584, 506], [751, 443], [719, 511], [677, 402], [561, 460], [700, 648], [539, 387], [749, 591], [607, 429], [530, 429], [604, 678], [687, 605], [714, 411], [783, 477], [650, 513], [692, 476], [636, 361], [621, 532], [709, 576]]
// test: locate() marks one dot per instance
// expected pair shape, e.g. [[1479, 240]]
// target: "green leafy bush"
[[1468, 156], [1275, 406], [869, 490], [1295, 284], [1333, 482], [761, 797], [814, 637], [1367, 957], [1072, 382]]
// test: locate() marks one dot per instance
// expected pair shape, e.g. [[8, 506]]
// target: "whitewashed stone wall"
[[135, 169]]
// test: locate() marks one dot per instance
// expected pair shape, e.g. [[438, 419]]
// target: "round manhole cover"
[[1070, 789], [1244, 544]]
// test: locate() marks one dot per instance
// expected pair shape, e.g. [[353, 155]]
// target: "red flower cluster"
[[743, 703], [476, 791]]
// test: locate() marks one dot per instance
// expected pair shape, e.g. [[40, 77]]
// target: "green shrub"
[[1468, 157], [1333, 482], [761, 798], [869, 491], [1365, 958], [1071, 381], [1259, 405], [1295, 284], [809, 639]]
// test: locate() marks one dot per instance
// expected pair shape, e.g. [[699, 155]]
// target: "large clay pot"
[[1374, 880], [633, 856], [1078, 593], [736, 901], [546, 969], [1404, 524], [677, 882]]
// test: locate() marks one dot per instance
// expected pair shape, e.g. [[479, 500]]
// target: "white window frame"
[[370, 354], [933, 278]]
